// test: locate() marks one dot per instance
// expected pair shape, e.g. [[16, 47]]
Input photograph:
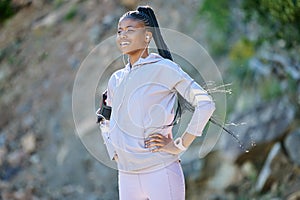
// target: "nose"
[[122, 34]]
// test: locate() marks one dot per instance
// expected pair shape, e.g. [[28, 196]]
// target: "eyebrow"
[[130, 26]]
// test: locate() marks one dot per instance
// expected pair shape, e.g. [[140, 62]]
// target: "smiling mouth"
[[124, 44]]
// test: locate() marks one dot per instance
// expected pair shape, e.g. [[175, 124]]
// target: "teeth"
[[124, 43]]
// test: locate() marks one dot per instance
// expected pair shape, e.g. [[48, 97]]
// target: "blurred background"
[[255, 44]]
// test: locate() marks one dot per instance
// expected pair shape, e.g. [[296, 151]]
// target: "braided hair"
[[146, 15]]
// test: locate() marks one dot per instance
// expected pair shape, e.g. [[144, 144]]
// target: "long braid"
[[162, 48]]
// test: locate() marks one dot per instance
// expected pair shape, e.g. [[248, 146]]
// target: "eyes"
[[126, 30]]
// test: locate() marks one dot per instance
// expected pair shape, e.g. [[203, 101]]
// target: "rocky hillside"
[[42, 45]]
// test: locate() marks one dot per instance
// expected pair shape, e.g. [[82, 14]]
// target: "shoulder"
[[169, 66], [116, 77], [159, 60], [117, 73], [168, 63]]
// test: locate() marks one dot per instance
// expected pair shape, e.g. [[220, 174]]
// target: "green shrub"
[[71, 13], [217, 14], [6, 10], [58, 3], [270, 88], [242, 50], [279, 19]]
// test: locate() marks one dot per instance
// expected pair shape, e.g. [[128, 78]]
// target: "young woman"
[[142, 96]]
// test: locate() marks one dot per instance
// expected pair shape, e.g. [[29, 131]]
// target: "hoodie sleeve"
[[198, 98], [105, 127]]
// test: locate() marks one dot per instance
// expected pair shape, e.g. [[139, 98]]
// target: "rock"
[[94, 33], [248, 170], [266, 170], [20, 194], [37, 3], [286, 64], [274, 171], [73, 62], [97, 30], [294, 196], [109, 20], [15, 158], [21, 3], [28, 143], [226, 175], [263, 124], [2, 139], [3, 153], [130, 4], [5, 195], [48, 21], [12, 165], [292, 147], [28, 122], [4, 185], [219, 172], [35, 159], [53, 18]]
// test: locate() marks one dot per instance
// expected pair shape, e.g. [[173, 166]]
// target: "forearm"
[[187, 139], [200, 117]]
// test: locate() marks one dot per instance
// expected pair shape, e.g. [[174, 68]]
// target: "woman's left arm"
[[204, 106], [158, 142]]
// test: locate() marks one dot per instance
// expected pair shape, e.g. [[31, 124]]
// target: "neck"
[[136, 56]]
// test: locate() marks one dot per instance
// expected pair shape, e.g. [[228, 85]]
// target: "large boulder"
[[260, 126], [279, 174], [292, 147]]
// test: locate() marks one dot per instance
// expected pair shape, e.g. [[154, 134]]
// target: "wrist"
[[179, 144]]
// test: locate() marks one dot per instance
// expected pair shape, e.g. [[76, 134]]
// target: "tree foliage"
[[279, 18], [217, 15]]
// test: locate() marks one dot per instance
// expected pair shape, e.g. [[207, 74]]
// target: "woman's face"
[[131, 37]]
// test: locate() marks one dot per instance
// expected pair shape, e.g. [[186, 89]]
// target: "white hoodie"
[[142, 100]]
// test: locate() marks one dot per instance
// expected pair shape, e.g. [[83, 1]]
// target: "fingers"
[[154, 138], [156, 142], [156, 135], [152, 142]]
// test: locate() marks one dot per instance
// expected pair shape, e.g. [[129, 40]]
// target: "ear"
[[148, 36]]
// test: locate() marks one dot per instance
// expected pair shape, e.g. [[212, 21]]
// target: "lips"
[[124, 44]]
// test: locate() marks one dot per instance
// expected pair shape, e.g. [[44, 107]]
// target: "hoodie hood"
[[151, 58]]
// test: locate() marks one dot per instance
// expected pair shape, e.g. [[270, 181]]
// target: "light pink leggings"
[[163, 184]]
